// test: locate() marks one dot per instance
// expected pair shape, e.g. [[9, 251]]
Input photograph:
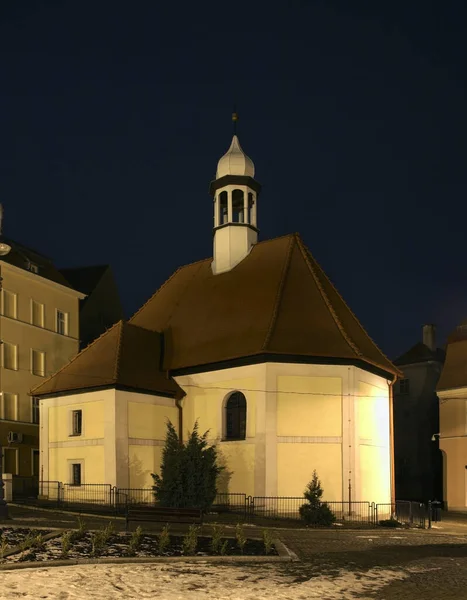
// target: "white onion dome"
[[235, 162]]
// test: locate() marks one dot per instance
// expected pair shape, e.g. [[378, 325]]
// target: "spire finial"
[[235, 119]]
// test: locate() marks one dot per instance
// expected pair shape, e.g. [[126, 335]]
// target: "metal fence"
[[24, 487], [234, 506]]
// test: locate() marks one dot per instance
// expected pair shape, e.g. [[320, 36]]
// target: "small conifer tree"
[[316, 512], [188, 471]]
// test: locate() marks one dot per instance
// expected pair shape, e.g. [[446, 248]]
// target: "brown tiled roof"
[[276, 301], [454, 373], [124, 356]]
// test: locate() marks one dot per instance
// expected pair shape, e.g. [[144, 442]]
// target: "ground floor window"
[[10, 461], [35, 462], [76, 473]]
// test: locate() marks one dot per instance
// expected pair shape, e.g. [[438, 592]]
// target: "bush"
[[316, 512], [240, 537], [190, 541], [164, 540], [188, 472], [390, 523]]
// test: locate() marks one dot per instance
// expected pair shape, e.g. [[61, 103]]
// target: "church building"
[[255, 344]]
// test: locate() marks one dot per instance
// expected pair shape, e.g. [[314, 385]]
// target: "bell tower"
[[235, 193]]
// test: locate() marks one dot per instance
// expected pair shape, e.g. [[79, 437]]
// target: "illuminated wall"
[[372, 439], [453, 425]]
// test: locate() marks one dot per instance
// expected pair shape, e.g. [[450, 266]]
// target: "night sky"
[[113, 116]]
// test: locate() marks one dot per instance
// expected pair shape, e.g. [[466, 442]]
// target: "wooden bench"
[[162, 514]]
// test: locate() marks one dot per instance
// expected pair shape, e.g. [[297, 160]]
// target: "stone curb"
[[285, 555]]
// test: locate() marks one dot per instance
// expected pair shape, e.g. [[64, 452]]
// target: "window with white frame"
[[37, 313], [10, 461], [9, 356], [33, 267], [76, 422], [9, 404], [9, 304], [38, 362], [35, 409], [61, 325]]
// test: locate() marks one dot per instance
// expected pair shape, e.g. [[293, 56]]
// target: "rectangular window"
[[9, 304], [37, 313], [10, 356], [35, 463], [33, 268], [10, 406], [404, 386], [77, 422], [62, 323], [10, 462], [37, 362], [35, 410], [76, 474]]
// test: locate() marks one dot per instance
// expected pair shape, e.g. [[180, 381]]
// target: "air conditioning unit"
[[14, 437]]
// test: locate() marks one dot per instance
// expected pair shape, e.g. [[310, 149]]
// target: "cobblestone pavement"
[[434, 562]]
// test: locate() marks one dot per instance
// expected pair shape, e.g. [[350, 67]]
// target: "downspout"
[[178, 404], [391, 438]]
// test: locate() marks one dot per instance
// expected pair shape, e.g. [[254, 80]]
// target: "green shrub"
[[4, 547], [390, 523], [240, 537], [216, 541], [316, 512], [164, 540], [268, 540], [223, 550], [135, 541], [190, 541], [188, 471], [66, 543]]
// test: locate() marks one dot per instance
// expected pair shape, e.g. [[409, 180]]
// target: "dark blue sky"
[[113, 116]]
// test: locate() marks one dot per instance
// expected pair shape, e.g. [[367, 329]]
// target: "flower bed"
[[107, 543]]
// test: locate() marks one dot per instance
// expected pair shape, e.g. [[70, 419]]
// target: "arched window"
[[223, 215], [250, 209], [235, 417], [238, 207]]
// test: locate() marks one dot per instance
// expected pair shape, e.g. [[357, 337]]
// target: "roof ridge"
[[328, 303], [280, 289], [119, 351], [339, 324], [161, 287], [73, 359]]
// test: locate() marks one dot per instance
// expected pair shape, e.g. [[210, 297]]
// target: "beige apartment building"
[[39, 333]]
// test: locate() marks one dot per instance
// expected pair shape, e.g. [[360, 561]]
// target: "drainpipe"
[[178, 404], [391, 438]]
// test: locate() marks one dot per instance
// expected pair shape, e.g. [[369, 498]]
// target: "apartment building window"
[[35, 463], [33, 268], [9, 404], [62, 322], [37, 362], [37, 313], [75, 473], [404, 386], [76, 422], [10, 461], [9, 304], [10, 356], [35, 409]]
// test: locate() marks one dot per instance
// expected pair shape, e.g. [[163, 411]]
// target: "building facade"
[[101, 307], [39, 334], [452, 434], [254, 344], [418, 460]]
